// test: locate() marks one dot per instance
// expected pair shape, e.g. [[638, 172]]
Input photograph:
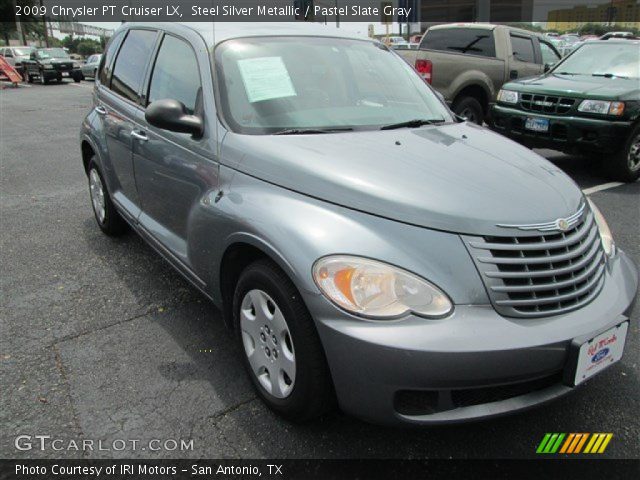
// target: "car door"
[[524, 62], [174, 170], [117, 105]]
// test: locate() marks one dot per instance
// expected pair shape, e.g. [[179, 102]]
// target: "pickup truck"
[[468, 63]]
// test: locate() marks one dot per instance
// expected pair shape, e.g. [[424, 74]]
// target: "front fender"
[[295, 230]]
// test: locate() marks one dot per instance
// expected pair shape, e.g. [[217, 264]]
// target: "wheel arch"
[[241, 251], [476, 91]]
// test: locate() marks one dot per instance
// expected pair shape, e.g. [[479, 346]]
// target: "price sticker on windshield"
[[265, 78]]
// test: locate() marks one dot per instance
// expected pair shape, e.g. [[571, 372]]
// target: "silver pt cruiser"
[[366, 247]]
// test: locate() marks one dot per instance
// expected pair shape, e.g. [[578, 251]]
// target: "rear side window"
[[471, 41], [105, 66], [522, 49], [175, 74], [128, 71]]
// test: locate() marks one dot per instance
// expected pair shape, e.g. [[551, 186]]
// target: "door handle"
[[100, 110], [139, 135]]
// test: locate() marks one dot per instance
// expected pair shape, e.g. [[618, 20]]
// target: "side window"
[[105, 65], [471, 41], [131, 62], [549, 55], [175, 74], [522, 48]]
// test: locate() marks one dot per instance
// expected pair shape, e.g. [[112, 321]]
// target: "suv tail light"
[[425, 69]]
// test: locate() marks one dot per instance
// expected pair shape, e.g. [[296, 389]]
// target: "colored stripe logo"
[[574, 443]]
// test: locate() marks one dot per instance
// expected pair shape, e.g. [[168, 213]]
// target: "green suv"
[[589, 103]]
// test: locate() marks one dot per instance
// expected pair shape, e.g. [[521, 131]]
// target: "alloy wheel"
[[267, 343], [97, 195], [633, 158]]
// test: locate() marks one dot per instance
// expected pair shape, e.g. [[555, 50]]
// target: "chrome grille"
[[541, 275], [546, 103]]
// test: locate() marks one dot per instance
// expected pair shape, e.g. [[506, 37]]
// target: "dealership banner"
[[371, 11], [315, 469]]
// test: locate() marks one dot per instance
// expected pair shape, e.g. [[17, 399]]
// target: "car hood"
[[456, 177], [577, 86]]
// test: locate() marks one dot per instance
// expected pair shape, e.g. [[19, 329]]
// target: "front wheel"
[[280, 346], [470, 109], [624, 166]]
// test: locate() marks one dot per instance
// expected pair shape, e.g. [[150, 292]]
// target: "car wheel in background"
[[624, 166], [470, 109], [280, 345], [108, 218]]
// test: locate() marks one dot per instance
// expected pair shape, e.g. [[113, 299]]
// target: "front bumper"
[[473, 364], [566, 133]]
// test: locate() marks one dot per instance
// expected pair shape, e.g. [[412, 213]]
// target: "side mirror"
[[172, 115], [548, 66]]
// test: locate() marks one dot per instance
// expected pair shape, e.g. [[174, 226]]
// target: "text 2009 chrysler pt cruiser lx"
[[365, 246]]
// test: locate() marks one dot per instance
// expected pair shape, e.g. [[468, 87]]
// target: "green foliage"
[[81, 46]]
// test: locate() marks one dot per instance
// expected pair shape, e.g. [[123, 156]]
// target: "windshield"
[[22, 51], [603, 59], [52, 53], [269, 84]]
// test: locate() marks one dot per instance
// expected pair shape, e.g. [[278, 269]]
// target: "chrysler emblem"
[[562, 224]]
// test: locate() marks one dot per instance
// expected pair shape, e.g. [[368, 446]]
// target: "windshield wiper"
[[417, 122], [301, 131], [607, 75], [565, 73]]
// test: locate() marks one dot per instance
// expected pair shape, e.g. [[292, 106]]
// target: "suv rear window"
[[471, 41], [131, 63]]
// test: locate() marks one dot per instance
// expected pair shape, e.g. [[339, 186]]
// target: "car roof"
[[483, 26], [613, 41], [217, 32]]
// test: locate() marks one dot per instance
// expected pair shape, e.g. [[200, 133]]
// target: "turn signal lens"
[[616, 108], [376, 290], [606, 236]]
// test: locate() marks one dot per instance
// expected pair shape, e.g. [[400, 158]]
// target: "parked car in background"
[[16, 56], [626, 35], [367, 249], [48, 64], [589, 103], [468, 63], [394, 41], [89, 69]]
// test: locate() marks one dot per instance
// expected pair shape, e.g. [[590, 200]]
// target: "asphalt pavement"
[[101, 340]]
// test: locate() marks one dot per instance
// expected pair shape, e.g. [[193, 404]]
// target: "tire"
[[43, 79], [77, 79], [624, 166], [106, 215], [265, 295], [469, 108]]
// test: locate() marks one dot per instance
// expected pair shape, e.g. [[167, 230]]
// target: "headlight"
[[377, 290], [48, 66], [601, 107], [605, 233], [508, 96]]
